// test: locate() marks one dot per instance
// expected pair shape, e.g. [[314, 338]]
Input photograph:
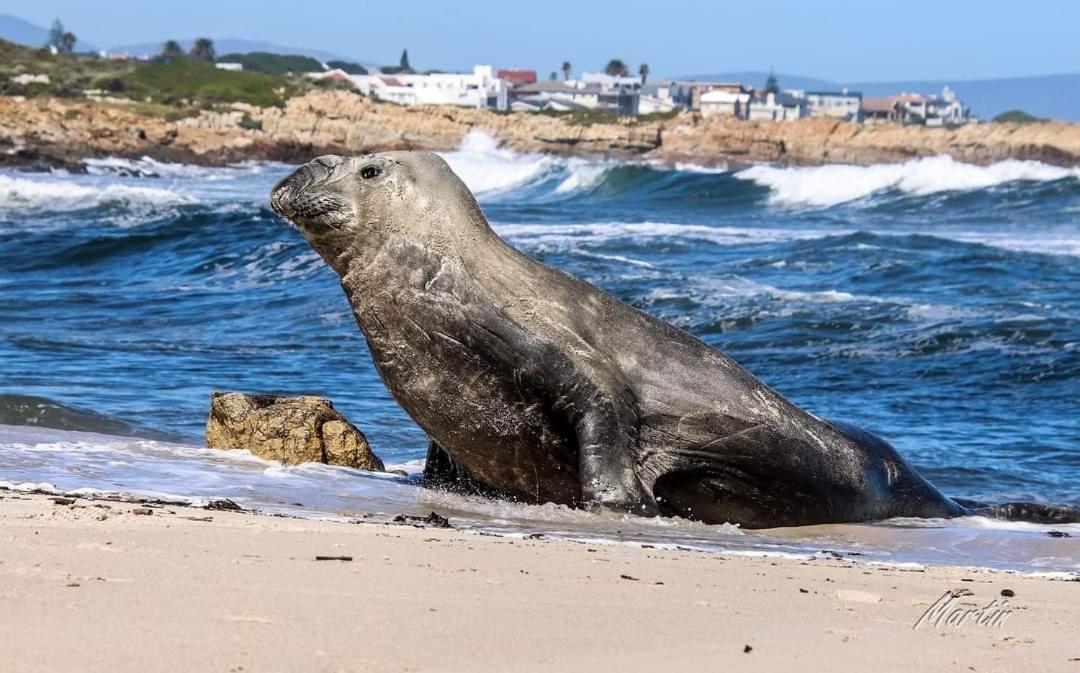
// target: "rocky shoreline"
[[44, 133]]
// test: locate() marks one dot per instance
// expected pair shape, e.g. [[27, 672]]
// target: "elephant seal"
[[535, 385]]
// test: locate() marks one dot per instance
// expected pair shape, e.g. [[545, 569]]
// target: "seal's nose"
[[285, 192]]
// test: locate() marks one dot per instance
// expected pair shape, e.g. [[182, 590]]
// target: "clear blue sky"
[[840, 40]]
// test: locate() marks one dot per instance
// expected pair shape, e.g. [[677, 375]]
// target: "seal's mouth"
[[298, 197], [284, 195]]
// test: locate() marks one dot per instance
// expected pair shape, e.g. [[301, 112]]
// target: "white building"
[[947, 110], [555, 95], [233, 67], [480, 89], [725, 103], [657, 96], [606, 81], [843, 104], [776, 107]]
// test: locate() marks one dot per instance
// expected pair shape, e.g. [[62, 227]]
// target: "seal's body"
[[538, 386]]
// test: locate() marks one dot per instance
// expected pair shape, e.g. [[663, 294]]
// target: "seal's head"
[[347, 204]]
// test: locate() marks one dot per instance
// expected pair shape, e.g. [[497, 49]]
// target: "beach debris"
[[333, 558], [803, 591], [223, 505], [960, 593], [747, 649], [1008, 593], [534, 536], [400, 473], [1057, 533], [432, 520], [63, 501], [142, 511], [629, 577], [290, 430], [198, 518]]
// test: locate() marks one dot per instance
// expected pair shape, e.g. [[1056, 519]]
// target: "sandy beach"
[[112, 586]]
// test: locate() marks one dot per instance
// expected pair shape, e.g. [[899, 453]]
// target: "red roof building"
[[517, 76]]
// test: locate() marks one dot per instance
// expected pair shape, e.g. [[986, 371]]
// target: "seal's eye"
[[368, 172]]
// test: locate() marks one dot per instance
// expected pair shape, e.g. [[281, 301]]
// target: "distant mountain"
[[233, 45], [1051, 96], [20, 31]]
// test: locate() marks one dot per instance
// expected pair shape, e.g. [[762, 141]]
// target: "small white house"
[[479, 89], [947, 110], [606, 81], [725, 103], [232, 67], [843, 104], [776, 107]]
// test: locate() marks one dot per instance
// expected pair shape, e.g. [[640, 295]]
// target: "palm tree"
[[566, 69], [203, 50], [616, 68], [171, 50], [643, 70]]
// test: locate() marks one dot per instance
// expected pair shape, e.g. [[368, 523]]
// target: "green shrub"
[[273, 64], [201, 83], [1017, 117]]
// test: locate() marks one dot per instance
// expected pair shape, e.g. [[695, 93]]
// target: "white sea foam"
[[87, 463], [487, 168], [64, 194], [718, 291], [148, 167], [823, 186], [604, 231]]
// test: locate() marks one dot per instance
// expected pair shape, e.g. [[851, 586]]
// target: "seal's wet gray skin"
[[535, 385]]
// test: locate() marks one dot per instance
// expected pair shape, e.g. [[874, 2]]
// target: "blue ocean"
[[932, 302]]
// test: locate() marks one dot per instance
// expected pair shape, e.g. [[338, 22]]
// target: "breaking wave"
[[58, 194], [823, 186], [491, 171]]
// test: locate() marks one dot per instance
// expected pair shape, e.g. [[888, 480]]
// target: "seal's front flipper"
[[606, 458], [441, 472]]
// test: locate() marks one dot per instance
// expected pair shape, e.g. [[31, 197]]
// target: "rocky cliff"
[[56, 132]]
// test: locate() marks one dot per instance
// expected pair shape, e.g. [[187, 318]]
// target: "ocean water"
[[932, 302]]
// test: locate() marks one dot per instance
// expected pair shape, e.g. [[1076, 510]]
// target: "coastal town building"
[[947, 110], [554, 95], [687, 94], [611, 94], [843, 104], [517, 76], [776, 107], [725, 103], [479, 89], [606, 81], [913, 108]]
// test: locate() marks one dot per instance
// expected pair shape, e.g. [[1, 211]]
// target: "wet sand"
[[109, 586]]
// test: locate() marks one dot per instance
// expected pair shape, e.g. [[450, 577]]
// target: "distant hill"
[[1049, 96], [20, 31], [233, 45]]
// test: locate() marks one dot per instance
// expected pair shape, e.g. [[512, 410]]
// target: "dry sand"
[[95, 586]]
